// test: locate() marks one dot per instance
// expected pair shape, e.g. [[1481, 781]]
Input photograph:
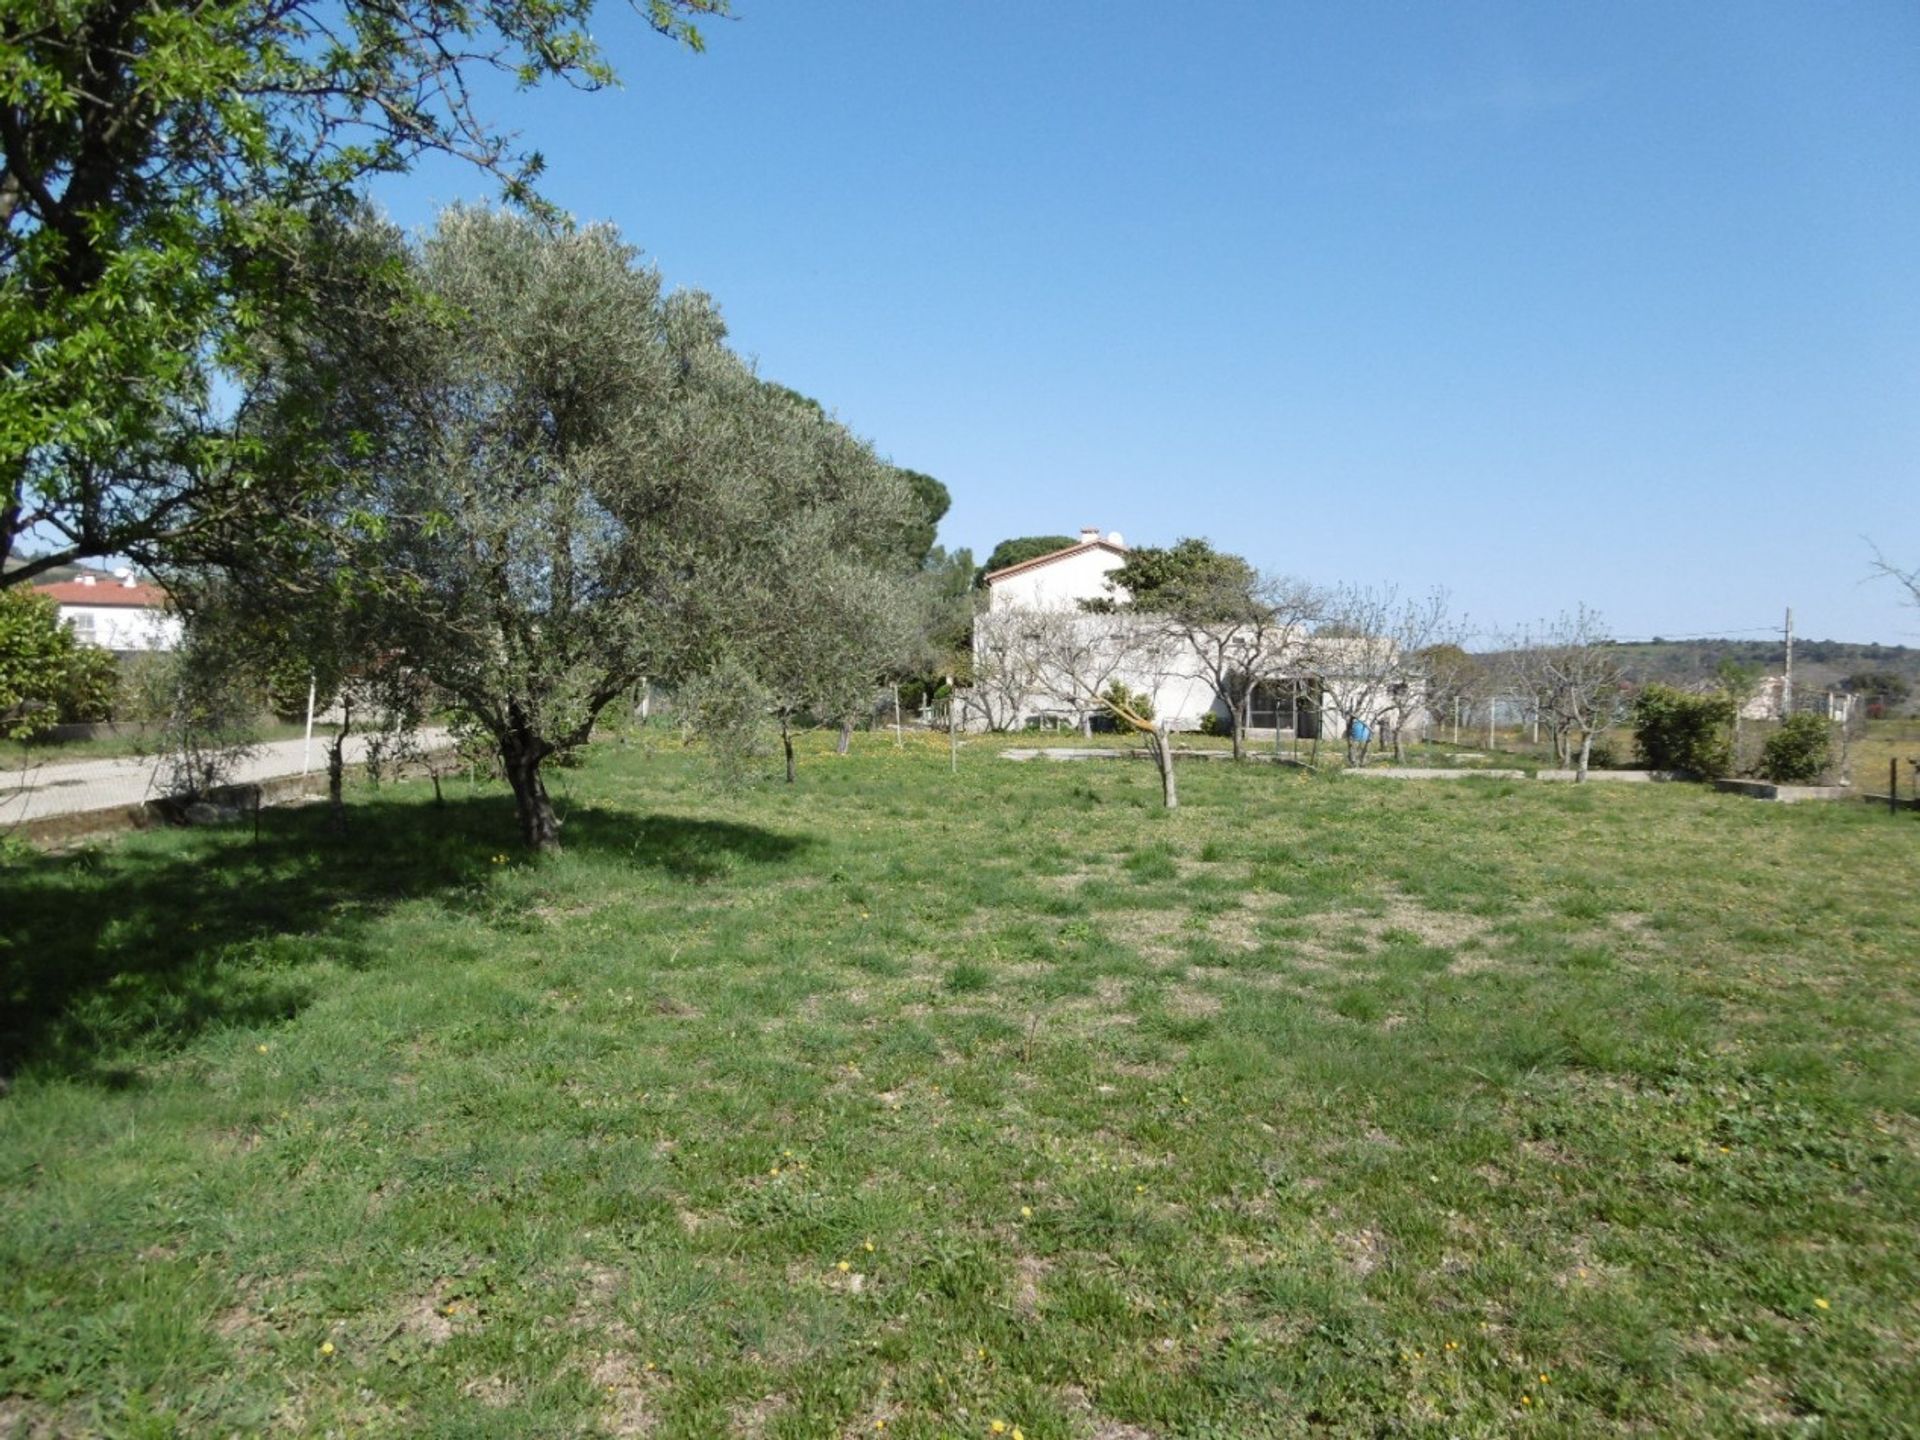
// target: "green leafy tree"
[[931, 501], [161, 166]]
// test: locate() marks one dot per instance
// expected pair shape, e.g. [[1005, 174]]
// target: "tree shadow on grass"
[[111, 955]]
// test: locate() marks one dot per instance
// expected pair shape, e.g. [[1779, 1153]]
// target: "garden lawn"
[[940, 1103]]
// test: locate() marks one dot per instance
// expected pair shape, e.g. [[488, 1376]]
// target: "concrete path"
[[77, 786]]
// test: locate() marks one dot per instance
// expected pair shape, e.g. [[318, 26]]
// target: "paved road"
[[81, 785]]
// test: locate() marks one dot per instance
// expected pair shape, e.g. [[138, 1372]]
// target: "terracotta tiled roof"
[[1053, 555], [138, 596]]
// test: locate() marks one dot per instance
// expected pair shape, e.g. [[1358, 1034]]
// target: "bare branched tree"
[[1097, 663], [1368, 652], [1572, 669], [1005, 670], [1244, 629], [1910, 579]]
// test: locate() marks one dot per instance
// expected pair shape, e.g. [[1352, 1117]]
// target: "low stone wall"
[[1628, 777], [1433, 772], [50, 832], [1784, 794]]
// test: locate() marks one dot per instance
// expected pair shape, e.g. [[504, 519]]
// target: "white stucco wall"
[[122, 627], [1180, 691], [1059, 584], [1178, 683]]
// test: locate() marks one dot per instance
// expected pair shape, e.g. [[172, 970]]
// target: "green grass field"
[[938, 1105]]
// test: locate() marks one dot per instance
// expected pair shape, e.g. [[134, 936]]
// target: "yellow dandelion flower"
[[261, 1048], [843, 1267], [1821, 1304], [326, 1347], [998, 1427], [1026, 1212], [1526, 1399], [879, 1424], [867, 1245], [1544, 1380], [1018, 1434], [1139, 1189], [774, 1171], [650, 1365]]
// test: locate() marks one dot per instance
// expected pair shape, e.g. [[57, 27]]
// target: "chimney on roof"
[[1089, 534], [89, 579]]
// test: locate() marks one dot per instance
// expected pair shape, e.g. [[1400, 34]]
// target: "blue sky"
[[1544, 304]]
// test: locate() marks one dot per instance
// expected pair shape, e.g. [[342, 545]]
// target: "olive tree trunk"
[[337, 768], [520, 756]]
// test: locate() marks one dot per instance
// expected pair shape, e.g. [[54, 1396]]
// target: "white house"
[[117, 611], [1026, 609]]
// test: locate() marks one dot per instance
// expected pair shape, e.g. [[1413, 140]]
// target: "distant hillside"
[[1817, 664]]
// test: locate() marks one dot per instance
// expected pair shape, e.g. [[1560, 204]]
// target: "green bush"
[[1604, 754], [1796, 753], [90, 690], [46, 676], [1677, 730], [1212, 724], [1119, 698]]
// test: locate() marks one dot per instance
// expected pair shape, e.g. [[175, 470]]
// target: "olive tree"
[[554, 479], [820, 622]]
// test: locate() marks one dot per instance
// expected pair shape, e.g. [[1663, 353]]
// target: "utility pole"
[[1786, 684]]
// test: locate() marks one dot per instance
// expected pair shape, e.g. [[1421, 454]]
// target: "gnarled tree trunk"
[[337, 768], [520, 755], [786, 742]]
